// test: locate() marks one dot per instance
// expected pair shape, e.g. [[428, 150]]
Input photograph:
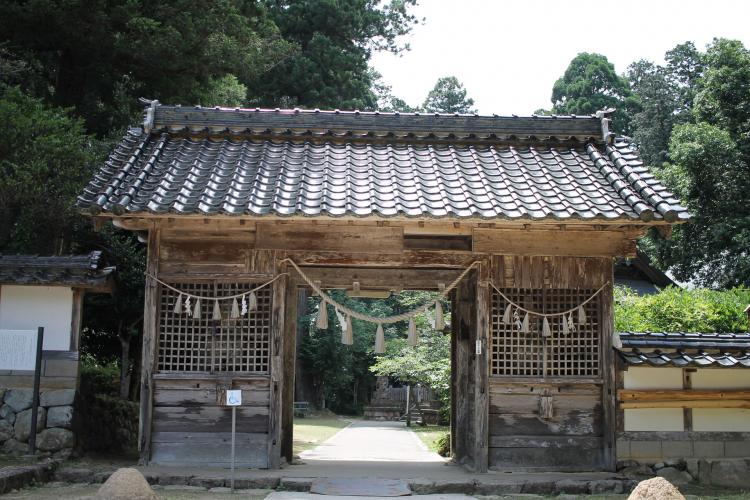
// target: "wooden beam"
[[407, 258], [75, 322], [275, 410], [688, 403], [629, 395], [568, 243], [382, 278], [482, 369], [148, 356], [355, 239]]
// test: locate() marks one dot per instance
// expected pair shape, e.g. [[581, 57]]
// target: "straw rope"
[[549, 315], [374, 319], [227, 297]]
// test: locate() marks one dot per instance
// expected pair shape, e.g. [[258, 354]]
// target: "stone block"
[[295, 483], [572, 486], [15, 447], [692, 465], [55, 439], [7, 413], [676, 449], [708, 449], [256, 483], [6, 431], [22, 426], [645, 449], [675, 476], [208, 481], [736, 449], [2, 394], [731, 473], [58, 397], [607, 486], [60, 416], [18, 399]]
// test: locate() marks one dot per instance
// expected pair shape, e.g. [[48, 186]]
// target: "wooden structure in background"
[[392, 202]]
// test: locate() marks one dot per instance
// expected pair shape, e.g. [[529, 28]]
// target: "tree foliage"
[[335, 40], [448, 96], [589, 84], [680, 310]]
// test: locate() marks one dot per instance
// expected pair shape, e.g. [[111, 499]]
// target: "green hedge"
[[680, 310]]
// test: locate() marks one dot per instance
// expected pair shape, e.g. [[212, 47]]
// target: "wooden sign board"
[[18, 349]]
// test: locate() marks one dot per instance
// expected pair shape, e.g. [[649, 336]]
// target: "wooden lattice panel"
[[238, 345], [517, 354]]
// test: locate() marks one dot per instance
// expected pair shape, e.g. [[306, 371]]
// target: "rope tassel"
[[565, 330], [197, 310], [439, 319], [244, 306], [252, 304], [235, 312], [348, 337], [525, 324], [178, 305], [571, 323], [581, 316], [413, 338], [546, 331], [217, 311], [379, 340], [507, 315], [321, 322]]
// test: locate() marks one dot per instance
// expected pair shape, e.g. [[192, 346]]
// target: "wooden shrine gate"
[[390, 201]]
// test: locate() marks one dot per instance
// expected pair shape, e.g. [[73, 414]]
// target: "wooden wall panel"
[[521, 438], [335, 238], [213, 448], [575, 243], [515, 271]]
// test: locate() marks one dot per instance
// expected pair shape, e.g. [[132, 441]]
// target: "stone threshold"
[[492, 484], [13, 477]]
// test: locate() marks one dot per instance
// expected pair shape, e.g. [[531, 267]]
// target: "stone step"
[[360, 487]]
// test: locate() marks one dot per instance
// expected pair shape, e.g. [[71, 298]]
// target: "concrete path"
[[291, 495], [373, 441]]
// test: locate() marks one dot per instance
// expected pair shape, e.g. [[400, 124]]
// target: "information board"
[[234, 397], [18, 349]]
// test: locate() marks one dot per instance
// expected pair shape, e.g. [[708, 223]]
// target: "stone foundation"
[[54, 421]]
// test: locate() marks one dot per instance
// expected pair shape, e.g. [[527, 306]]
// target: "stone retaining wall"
[[54, 422]]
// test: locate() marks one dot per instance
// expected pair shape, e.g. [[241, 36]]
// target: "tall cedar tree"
[[591, 84], [448, 96], [336, 39]]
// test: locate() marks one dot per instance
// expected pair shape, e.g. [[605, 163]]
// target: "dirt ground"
[[62, 491]]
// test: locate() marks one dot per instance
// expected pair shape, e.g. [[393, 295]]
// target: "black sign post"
[[37, 380]]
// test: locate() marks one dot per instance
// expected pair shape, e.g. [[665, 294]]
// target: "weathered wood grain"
[[558, 459], [209, 419], [571, 423], [277, 371], [209, 449], [148, 356], [481, 367], [572, 243], [355, 239]]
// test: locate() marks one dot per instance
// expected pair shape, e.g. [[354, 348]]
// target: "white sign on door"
[[234, 397], [18, 349]]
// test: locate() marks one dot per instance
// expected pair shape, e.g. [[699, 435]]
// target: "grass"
[[312, 430], [430, 434]]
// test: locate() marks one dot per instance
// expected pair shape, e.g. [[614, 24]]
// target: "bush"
[[444, 445], [680, 310]]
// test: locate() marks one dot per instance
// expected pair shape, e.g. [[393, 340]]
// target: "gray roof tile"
[[484, 171]]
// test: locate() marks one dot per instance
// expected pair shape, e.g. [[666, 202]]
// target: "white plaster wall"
[[653, 419], [28, 307], [638, 377], [721, 378], [721, 419]]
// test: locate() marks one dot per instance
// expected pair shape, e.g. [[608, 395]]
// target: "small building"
[[48, 292], [530, 211], [683, 395], [638, 274]]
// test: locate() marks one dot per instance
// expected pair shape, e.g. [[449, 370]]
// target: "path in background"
[[376, 441]]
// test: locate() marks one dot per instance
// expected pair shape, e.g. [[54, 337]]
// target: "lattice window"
[[204, 345], [517, 354]]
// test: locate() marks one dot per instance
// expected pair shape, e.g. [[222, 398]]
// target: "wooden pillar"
[[464, 401], [454, 372], [289, 362], [276, 370], [148, 356], [75, 322], [609, 389], [481, 369]]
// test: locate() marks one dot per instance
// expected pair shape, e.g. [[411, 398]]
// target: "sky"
[[508, 53]]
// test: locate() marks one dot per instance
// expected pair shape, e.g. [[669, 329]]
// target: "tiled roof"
[[82, 271], [207, 161], [719, 350]]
